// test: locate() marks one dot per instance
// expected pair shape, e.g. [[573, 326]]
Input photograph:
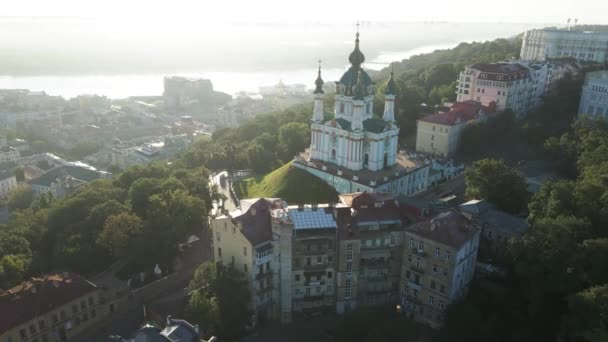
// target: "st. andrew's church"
[[357, 150]]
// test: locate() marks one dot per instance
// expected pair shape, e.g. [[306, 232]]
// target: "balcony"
[[315, 283], [374, 278], [414, 286], [418, 270], [263, 260], [419, 252]]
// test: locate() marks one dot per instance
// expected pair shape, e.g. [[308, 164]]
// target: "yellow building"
[[243, 239], [53, 308], [439, 134], [439, 258]]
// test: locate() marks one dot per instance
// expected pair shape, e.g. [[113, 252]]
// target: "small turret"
[[319, 82], [317, 113], [389, 100]]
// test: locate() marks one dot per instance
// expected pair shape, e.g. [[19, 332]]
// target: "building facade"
[[54, 308], [584, 46], [9, 154], [506, 84], [594, 96], [439, 259], [8, 181], [352, 149], [439, 134]]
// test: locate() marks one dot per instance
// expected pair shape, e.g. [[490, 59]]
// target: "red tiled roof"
[[38, 296], [460, 112], [450, 228]]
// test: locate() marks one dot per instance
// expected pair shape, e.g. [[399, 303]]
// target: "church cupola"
[[356, 58], [317, 113], [389, 100]]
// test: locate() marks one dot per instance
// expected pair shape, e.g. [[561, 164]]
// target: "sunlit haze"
[[174, 12]]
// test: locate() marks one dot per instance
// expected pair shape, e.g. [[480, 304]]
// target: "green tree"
[[139, 195], [294, 137], [119, 232], [220, 297], [20, 198], [492, 180]]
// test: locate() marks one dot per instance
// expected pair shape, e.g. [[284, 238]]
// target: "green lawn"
[[289, 183]]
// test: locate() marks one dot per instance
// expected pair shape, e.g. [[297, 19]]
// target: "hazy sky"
[[530, 11]]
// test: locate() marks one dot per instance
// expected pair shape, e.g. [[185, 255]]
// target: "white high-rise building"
[[584, 46], [594, 97]]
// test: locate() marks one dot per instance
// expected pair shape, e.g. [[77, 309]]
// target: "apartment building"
[[8, 181], [311, 229], [584, 46], [370, 235], [439, 134], [506, 84], [8, 154], [594, 96], [243, 239], [439, 258], [52, 308]]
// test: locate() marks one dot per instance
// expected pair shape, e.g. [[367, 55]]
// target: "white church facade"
[[356, 150]]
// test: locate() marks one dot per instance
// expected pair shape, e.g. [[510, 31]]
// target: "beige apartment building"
[[364, 250], [53, 308], [439, 134], [243, 239], [439, 259]]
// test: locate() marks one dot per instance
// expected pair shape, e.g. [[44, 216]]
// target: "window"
[[437, 251], [298, 292], [32, 329], [91, 301], [217, 236], [328, 288], [41, 325], [319, 260], [447, 255], [412, 243], [341, 107], [83, 305], [393, 242], [442, 288], [219, 252], [431, 299], [307, 261], [245, 268], [329, 274], [418, 263], [435, 268], [330, 259], [308, 291], [444, 272], [318, 289], [297, 277], [432, 284], [85, 317], [441, 306]]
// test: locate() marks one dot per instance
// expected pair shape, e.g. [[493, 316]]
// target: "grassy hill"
[[289, 183]]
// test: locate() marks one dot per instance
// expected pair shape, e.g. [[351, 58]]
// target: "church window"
[[333, 154], [341, 108]]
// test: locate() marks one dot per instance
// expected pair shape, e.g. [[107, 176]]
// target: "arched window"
[[385, 160], [365, 160], [333, 154], [341, 108]]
